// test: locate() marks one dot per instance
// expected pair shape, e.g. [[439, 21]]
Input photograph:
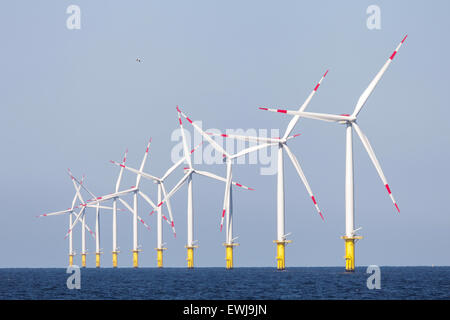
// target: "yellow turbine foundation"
[[70, 259], [159, 256], [83, 260], [97, 260], [350, 252], [135, 258], [229, 254], [114, 259], [190, 256], [281, 258]]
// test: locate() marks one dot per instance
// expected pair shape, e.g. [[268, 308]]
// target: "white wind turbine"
[[227, 211], [350, 122], [282, 145], [161, 191], [188, 177]]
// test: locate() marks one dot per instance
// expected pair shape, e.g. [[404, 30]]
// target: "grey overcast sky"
[[78, 98]]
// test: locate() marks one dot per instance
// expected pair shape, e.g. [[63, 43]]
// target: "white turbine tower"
[[115, 248], [161, 191], [350, 122], [227, 211], [282, 145], [188, 177]]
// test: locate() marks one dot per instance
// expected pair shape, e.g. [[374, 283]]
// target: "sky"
[[77, 98]]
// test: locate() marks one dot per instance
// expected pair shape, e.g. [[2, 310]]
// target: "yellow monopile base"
[[350, 252], [190, 257], [70, 259], [97, 260], [114, 258], [159, 256], [281, 257], [135, 258], [229, 254], [83, 260]]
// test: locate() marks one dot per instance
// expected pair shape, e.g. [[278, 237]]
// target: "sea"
[[302, 283]]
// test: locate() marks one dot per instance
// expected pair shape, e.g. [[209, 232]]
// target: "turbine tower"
[[350, 122], [115, 248]]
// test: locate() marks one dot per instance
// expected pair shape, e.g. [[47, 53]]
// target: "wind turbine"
[[83, 236], [188, 177], [161, 191], [282, 145], [350, 122], [227, 212]]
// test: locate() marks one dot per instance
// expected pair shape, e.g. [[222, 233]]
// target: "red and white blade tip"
[[277, 110], [390, 194], [404, 38], [395, 52]]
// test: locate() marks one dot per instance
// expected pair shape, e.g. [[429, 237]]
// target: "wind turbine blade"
[[366, 94], [110, 196], [216, 177], [244, 138], [119, 178], [227, 192], [145, 175], [81, 185], [172, 168], [141, 168], [57, 213], [100, 207], [126, 205], [252, 149], [303, 177], [77, 189], [313, 115], [295, 119], [176, 188], [147, 199], [187, 154], [179, 162], [169, 208], [130, 210], [80, 214], [375, 162], [204, 135], [89, 230], [293, 136]]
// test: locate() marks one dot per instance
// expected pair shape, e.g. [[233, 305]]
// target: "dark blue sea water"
[[218, 283]]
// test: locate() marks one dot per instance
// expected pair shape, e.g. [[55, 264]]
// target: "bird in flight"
[[138, 59]]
